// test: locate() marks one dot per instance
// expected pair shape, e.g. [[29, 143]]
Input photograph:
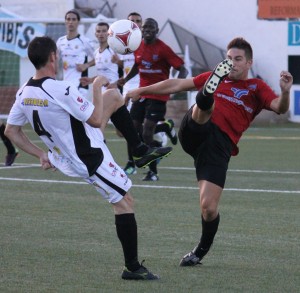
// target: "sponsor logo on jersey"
[[79, 100], [35, 102], [252, 87], [84, 106], [155, 57], [238, 93], [146, 64], [67, 91]]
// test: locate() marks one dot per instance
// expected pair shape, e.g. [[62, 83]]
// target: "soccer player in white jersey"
[[69, 125], [104, 57], [75, 51]]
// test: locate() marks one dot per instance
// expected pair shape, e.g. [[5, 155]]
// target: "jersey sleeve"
[[200, 79], [16, 115], [265, 94], [173, 59], [89, 48]]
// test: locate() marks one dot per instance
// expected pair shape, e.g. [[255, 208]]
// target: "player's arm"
[[96, 117], [85, 66], [132, 73], [18, 137], [282, 103], [165, 87]]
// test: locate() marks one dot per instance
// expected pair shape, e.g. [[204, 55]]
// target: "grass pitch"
[[58, 235]]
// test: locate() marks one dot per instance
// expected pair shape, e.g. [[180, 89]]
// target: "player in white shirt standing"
[[75, 51], [104, 57], [69, 125]]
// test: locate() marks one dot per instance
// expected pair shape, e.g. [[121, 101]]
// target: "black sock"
[[130, 158], [153, 167], [204, 102], [8, 144], [209, 230], [127, 233], [123, 122]]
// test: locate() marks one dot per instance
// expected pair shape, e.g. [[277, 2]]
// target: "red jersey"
[[237, 103], [154, 62]]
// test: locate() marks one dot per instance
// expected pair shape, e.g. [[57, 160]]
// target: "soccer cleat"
[[171, 133], [10, 158], [189, 260], [218, 74], [140, 274], [129, 169], [151, 176], [151, 155]]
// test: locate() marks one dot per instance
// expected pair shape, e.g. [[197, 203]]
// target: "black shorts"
[[209, 146], [149, 109]]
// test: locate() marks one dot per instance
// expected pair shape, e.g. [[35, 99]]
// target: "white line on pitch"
[[152, 186], [19, 165]]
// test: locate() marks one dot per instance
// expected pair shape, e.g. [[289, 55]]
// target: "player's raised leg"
[[114, 109]]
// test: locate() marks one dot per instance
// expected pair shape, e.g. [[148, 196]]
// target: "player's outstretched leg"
[[152, 154], [218, 74]]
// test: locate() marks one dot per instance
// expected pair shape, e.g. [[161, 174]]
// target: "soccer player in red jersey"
[[226, 104], [153, 61]]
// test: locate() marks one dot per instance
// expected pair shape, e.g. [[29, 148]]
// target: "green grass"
[[59, 237]]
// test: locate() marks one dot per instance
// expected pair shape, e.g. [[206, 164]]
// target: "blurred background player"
[[104, 57], [153, 61], [12, 152], [75, 51]]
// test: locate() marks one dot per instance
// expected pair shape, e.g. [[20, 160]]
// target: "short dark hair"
[[103, 24], [39, 51], [74, 11], [152, 20], [134, 14], [241, 43]]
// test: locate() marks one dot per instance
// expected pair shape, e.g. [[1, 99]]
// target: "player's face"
[[136, 19], [101, 33], [241, 64], [149, 31], [71, 22]]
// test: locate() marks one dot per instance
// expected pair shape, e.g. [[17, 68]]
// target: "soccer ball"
[[124, 36]]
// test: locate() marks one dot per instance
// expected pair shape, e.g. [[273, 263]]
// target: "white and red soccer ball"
[[124, 36]]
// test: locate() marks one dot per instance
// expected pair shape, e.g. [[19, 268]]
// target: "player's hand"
[[45, 162], [121, 81], [81, 67], [286, 81], [100, 81], [85, 80], [133, 95], [112, 85]]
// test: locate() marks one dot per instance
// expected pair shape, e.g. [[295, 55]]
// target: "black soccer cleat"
[[218, 74], [190, 260], [151, 176], [140, 274], [152, 155]]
